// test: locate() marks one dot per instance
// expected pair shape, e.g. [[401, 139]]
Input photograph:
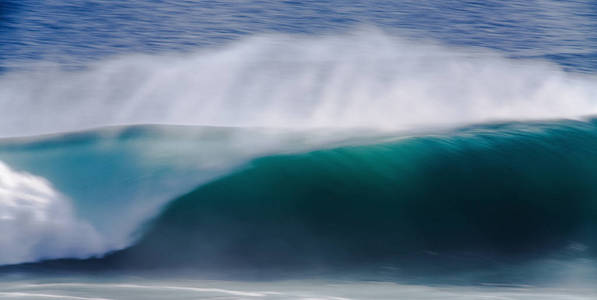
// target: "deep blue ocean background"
[[72, 33]]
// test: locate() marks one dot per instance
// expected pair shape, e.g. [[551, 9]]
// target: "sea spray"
[[363, 79]]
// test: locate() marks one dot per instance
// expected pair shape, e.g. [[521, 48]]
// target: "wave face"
[[363, 79], [491, 192]]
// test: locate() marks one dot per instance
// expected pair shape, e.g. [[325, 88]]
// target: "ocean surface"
[[298, 149]]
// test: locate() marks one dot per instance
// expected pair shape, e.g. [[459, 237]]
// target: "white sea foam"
[[37, 222], [363, 79], [138, 288]]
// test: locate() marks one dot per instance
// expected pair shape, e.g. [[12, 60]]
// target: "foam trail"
[[33, 295], [37, 222], [364, 79]]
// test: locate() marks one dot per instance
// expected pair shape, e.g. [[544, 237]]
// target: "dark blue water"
[[73, 33]]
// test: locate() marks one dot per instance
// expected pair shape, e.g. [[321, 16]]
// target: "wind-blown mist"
[[364, 79]]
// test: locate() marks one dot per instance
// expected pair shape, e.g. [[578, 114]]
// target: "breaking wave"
[[489, 193], [375, 193]]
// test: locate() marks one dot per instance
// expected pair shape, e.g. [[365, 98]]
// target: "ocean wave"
[[482, 195]]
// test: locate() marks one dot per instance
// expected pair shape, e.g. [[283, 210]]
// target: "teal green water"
[[478, 200], [478, 195], [117, 178]]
